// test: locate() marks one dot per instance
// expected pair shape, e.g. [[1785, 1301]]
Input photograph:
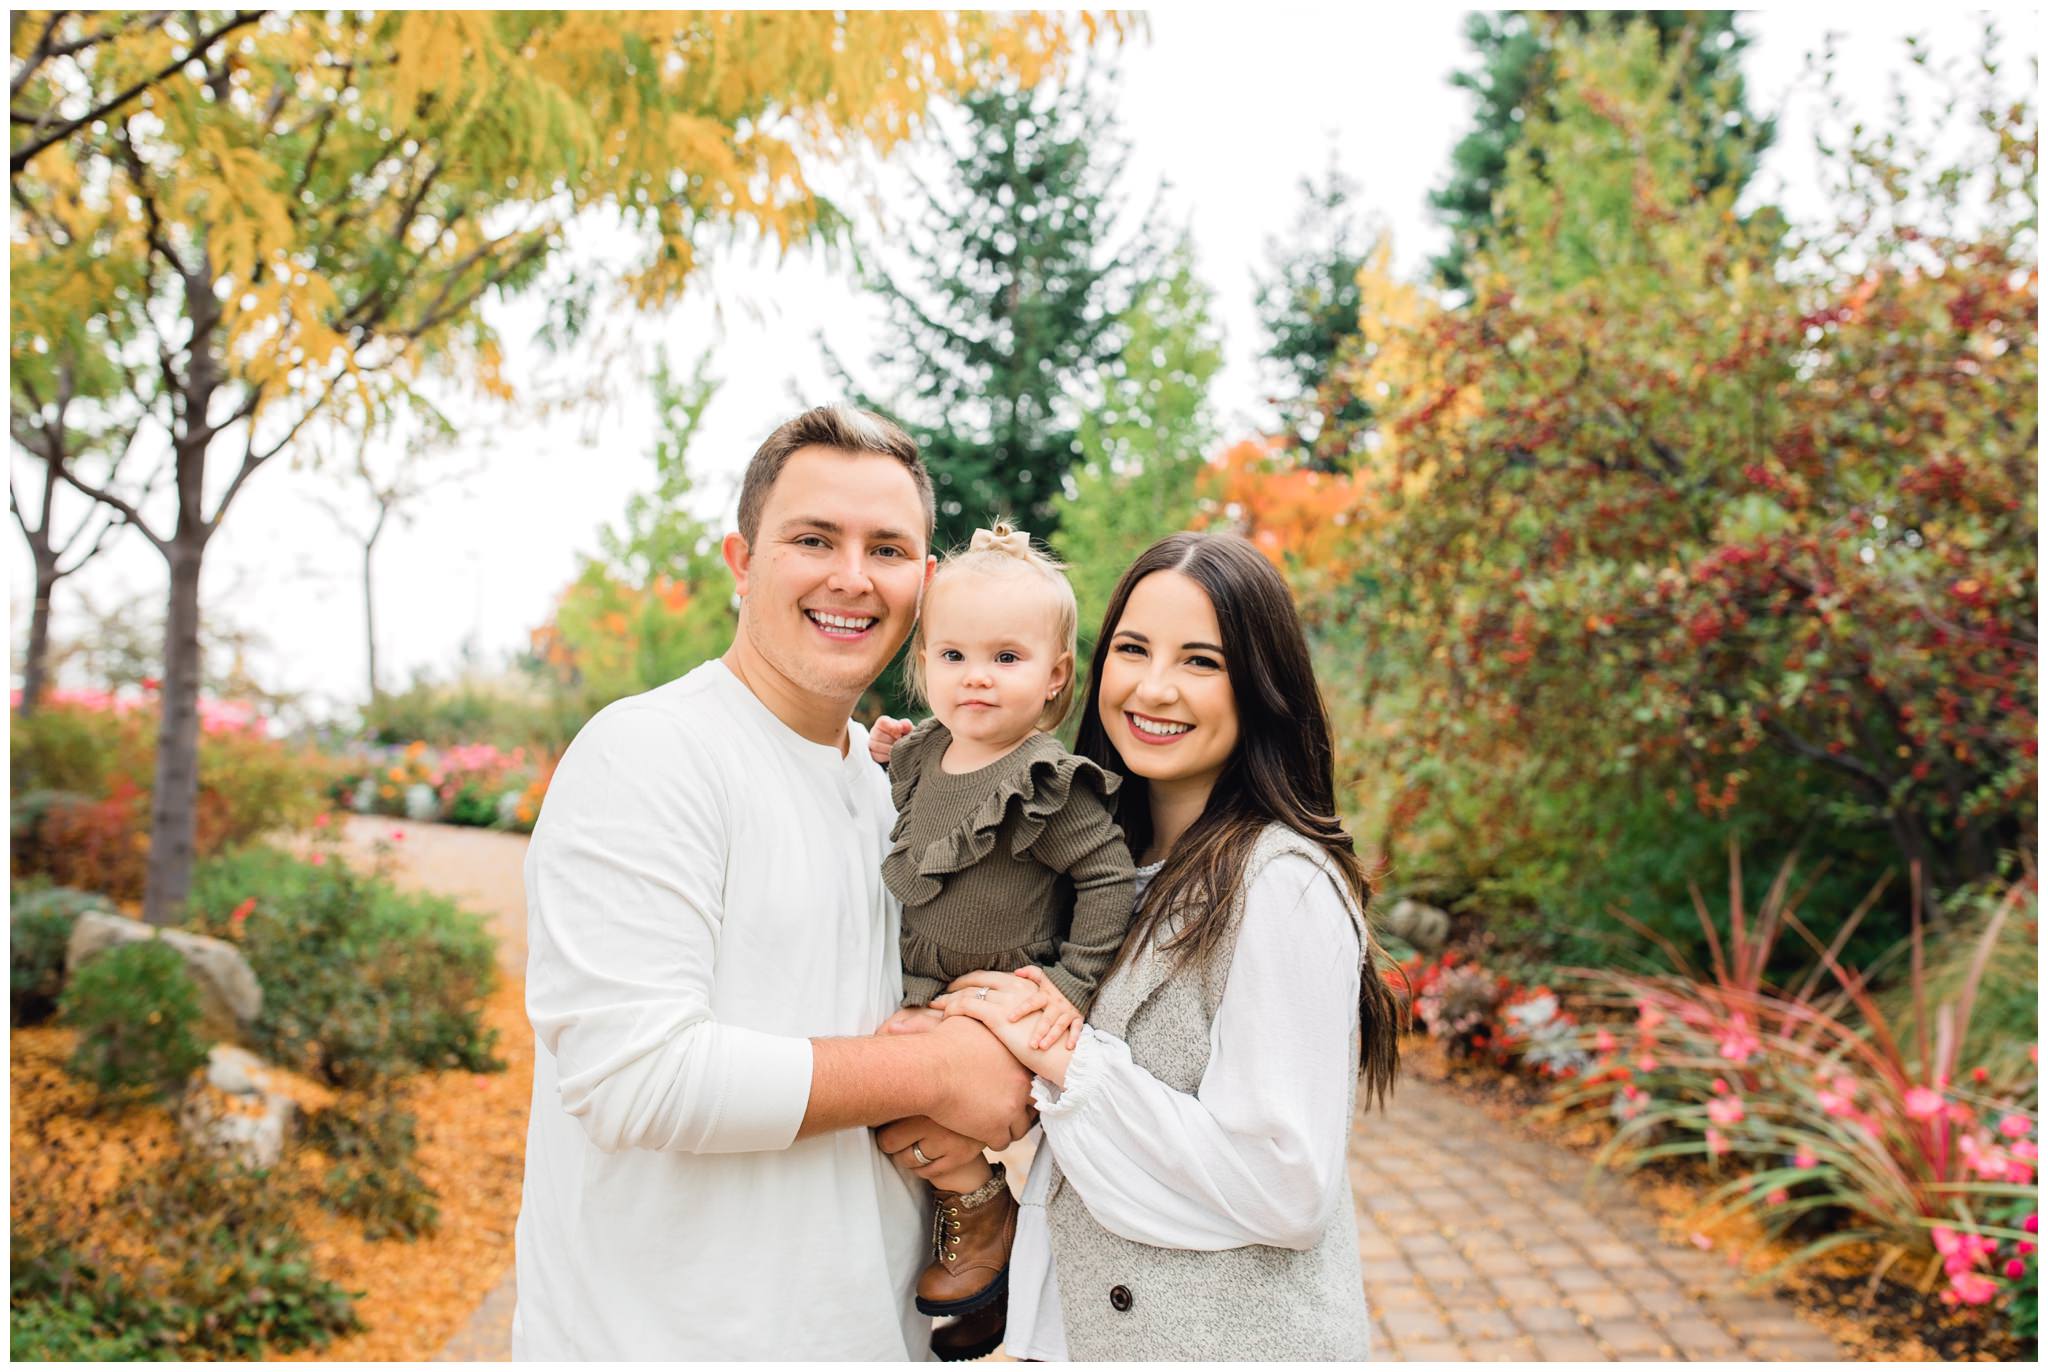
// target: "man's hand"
[[1010, 1006], [885, 735], [912, 1019], [944, 1150], [983, 1092]]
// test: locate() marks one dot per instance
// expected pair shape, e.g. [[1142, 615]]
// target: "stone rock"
[[1422, 927], [236, 1071], [229, 995], [231, 1109]]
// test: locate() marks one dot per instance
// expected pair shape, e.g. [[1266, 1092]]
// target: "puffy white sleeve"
[[624, 880], [1256, 1154]]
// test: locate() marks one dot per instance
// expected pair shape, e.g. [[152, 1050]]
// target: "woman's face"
[[1166, 702]]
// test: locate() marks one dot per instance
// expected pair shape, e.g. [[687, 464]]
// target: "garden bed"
[[71, 1157], [1896, 1323]]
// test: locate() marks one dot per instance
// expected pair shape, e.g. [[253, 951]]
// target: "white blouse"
[[1256, 1154]]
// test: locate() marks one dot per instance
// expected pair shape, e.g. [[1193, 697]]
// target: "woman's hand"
[[943, 1150], [885, 735], [1010, 1007]]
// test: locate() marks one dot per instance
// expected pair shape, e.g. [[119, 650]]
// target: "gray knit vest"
[[1127, 1301]]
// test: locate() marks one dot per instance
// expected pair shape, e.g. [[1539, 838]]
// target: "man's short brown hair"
[[829, 426]]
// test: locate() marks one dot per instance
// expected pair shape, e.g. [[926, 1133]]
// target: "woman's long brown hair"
[[1281, 771]]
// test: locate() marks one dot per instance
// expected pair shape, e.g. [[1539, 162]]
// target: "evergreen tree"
[[1309, 307], [1144, 446], [1010, 307], [1515, 72]]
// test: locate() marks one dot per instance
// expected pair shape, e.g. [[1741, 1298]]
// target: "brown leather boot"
[[971, 1237], [973, 1336]]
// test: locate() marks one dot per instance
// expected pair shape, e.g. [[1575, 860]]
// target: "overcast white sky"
[[1232, 109]]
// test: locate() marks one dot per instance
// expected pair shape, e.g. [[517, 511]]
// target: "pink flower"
[[1720, 1086], [2032, 1224], [2022, 1247], [2015, 1126], [1604, 1042], [1738, 1044], [1701, 1241], [2014, 1269], [1725, 1110], [1923, 1104], [1648, 1016], [1804, 1158], [1717, 1142], [1646, 1063], [318, 859], [1970, 1288], [398, 835], [1839, 1100], [242, 911], [322, 820], [1778, 1197]]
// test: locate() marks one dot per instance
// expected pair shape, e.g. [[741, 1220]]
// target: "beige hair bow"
[[1015, 542]]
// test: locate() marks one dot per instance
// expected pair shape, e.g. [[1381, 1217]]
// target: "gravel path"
[[1476, 1244]]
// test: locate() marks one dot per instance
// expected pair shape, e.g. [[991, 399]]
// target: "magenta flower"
[[1725, 1110], [2015, 1126], [1970, 1288], [2014, 1269], [1804, 1158]]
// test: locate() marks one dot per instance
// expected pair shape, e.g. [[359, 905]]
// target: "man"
[[712, 948]]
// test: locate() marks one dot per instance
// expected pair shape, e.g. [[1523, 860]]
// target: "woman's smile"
[[1154, 731]]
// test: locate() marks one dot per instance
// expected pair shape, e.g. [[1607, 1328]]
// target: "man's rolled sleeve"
[[625, 882]]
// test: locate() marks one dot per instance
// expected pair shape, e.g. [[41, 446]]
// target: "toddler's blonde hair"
[[1000, 550]]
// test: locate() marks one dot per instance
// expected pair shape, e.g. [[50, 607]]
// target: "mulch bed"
[[1895, 1322], [412, 1297]]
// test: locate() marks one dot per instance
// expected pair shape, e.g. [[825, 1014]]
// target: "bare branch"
[[127, 512]]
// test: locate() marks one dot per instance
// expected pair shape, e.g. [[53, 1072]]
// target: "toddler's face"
[[992, 655]]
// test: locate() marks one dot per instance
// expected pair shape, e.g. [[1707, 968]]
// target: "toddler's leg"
[[966, 1177], [974, 1222]]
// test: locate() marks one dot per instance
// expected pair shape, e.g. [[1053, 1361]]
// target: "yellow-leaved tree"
[[231, 222]]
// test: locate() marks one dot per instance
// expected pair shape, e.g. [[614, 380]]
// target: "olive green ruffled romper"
[[1017, 862]]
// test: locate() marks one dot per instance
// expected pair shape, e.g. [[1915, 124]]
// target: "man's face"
[[830, 586]]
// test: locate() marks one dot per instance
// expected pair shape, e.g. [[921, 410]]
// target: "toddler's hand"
[[1059, 1020], [884, 736], [912, 1019]]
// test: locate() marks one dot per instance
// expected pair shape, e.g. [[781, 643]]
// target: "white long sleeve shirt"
[[1255, 1155], [704, 896]]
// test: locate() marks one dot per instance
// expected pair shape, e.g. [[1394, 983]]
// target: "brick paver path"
[[1476, 1243]]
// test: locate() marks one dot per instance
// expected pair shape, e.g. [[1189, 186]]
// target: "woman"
[[1191, 1199]]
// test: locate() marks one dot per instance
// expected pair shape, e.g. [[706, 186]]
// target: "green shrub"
[[136, 1012], [65, 1307], [360, 980], [82, 776], [373, 1141], [40, 927], [240, 1279]]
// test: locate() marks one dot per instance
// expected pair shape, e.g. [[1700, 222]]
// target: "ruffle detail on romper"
[[1038, 791]]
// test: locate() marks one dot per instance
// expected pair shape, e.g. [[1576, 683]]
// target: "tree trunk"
[[370, 618], [35, 672], [173, 821]]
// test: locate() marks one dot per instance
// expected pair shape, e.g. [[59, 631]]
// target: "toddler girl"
[[1004, 853]]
